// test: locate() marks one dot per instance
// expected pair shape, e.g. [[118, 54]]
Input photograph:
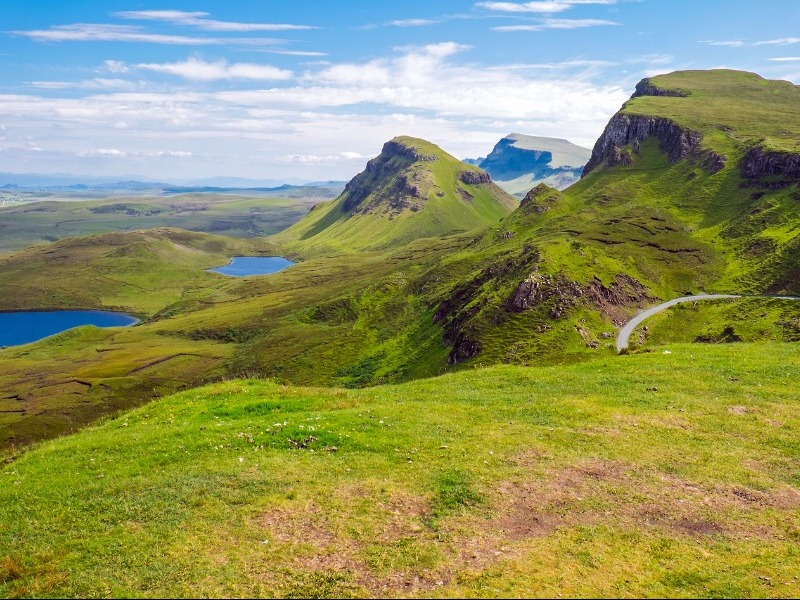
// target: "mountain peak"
[[412, 189]]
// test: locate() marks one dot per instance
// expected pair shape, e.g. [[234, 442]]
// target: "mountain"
[[412, 190], [519, 162], [693, 186]]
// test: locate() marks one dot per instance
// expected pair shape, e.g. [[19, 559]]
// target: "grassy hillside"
[[412, 190], [730, 108], [649, 475], [546, 284], [140, 272]]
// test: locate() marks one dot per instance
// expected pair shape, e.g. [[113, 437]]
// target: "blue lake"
[[242, 266], [28, 326]]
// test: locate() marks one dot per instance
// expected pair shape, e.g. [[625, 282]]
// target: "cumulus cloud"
[[298, 124], [196, 69]]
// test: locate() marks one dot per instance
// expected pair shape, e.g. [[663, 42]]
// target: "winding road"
[[624, 334]]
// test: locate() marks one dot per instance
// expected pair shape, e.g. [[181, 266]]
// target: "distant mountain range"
[[78, 183], [519, 162]]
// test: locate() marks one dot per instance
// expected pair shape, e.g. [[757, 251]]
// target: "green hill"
[[412, 190], [657, 475]]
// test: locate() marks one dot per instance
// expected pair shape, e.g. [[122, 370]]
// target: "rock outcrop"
[[474, 177], [539, 199], [631, 130], [393, 159], [647, 88], [759, 162]]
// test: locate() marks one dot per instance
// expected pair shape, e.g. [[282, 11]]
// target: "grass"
[[730, 107], [643, 475], [237, 216]]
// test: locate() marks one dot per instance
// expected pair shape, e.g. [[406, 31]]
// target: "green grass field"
[[645, 475], [22, 225]]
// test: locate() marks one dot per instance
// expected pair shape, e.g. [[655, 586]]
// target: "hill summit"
[[412, 189]]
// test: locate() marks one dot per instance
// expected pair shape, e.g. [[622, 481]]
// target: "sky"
[[308, 90]]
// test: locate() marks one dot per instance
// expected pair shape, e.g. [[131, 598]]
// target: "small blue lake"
[[24, 327], [243, 266]]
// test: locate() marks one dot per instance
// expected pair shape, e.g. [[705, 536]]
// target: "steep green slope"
[[657, 475], [662, 210], [412, 190]]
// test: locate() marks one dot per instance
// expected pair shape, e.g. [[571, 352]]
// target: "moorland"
[[430, 401]]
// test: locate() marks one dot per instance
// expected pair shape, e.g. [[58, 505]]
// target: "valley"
[[430, 400]]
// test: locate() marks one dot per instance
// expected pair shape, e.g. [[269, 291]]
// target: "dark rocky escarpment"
[[393, 159], [611, 300], [759, 162], [631, 130], [647, 88]]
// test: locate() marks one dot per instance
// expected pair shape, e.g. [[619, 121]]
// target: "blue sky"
[[310, 90]]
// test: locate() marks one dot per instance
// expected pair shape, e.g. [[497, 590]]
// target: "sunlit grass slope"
[[662, 474], [731, 108], [140, 271]]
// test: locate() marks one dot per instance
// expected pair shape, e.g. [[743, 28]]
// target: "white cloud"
[[115, 66], [87, 32], [98, 83], [114, 152], [556, 24], [785, 58], [779, 42], [730, 43], [428, 91], [546, 7], [199, 20], [412, 22], [199, 70], [330, 158]]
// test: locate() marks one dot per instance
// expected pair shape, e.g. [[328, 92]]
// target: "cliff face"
[[647, 88], [631, 130], [393, 159], [758, 162]]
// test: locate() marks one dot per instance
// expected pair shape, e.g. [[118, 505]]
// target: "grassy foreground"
[[656, 474]]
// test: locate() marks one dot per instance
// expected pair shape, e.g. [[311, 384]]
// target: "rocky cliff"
[[626, 131], [759, 162]]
